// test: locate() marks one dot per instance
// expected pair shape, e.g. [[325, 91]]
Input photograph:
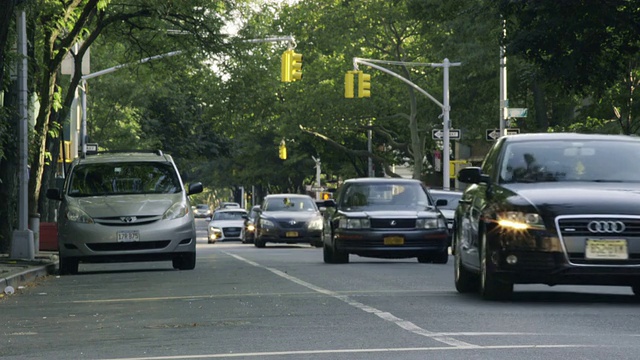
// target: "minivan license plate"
[[128, 236]]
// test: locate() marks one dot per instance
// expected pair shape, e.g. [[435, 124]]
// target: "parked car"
[[250, 225], [125, 206], [290, 219], [384, 218], [554, 209], [202, 211], [448, 207], [226, 224]]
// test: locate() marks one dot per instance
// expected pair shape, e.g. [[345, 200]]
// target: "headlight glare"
[[520, 220]]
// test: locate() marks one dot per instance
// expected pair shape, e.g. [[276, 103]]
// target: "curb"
[[29, 275]]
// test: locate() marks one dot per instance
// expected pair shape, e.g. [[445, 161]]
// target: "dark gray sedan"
[[384, 218]]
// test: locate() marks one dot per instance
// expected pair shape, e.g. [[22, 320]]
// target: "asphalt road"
[[283, 302]]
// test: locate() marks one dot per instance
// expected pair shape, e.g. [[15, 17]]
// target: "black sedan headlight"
[[354, 223], [315, 224], [518, 220]]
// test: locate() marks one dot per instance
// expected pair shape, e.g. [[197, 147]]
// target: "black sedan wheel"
[[259, 243], [465, 280], [636, 290], [491, 286]]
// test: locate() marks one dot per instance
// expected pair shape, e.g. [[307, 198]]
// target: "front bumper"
[[290, 236], [157, 240], [380, 243]]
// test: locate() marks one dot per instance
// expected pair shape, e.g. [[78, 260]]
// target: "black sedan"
[[288, 218], [555, 209], [384, 218]]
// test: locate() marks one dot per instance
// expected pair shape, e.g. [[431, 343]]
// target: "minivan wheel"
[[68, 266], [185, 261]]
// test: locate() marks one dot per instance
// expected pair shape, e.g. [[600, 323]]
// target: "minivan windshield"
[[120, 178]]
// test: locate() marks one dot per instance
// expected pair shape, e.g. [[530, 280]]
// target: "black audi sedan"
[[288, 218], [556, 208], [384, 218]]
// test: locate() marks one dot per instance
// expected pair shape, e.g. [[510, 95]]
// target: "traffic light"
[[325, 195], [291, 66], [282, 150], [364, 84], [285, 69], [349, 84], [296, 66]]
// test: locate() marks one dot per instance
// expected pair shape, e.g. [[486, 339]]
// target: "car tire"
[[185, 261], [465, 280], [68, 266], [425, 259], [317, 244], [491, 286], [441, 257], [331, 256], [259, 243], [636, 290]]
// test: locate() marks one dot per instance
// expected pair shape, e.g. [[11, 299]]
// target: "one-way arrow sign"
[[438, 134], [494, 134]]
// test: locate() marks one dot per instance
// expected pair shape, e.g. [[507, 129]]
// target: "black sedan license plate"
[[128, 236], [291, 234], [606, 249], [394, 240]]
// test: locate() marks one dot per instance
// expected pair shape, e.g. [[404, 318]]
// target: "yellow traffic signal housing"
[[325, 195], [349, 85], [296, 66], [282, 150], [364, 84], [285, 66]]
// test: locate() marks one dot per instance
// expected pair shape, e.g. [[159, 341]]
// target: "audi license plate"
[[291, 234], [394, 240], [128, 236], [606, 249]]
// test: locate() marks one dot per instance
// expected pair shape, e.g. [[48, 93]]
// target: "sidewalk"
[[17, 273]]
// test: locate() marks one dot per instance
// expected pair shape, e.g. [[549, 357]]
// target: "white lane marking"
[[407, 325], [352, 351]]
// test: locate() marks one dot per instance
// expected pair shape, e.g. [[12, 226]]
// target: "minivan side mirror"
[[195, 188]]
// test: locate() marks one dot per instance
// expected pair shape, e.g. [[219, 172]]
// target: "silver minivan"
[[125, 206]]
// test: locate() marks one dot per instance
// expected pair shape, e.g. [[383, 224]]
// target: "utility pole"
[[446, 108], [318, 172], [504, 102], [22, 241]]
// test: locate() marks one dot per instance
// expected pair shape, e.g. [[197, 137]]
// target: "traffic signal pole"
[[446, 108]]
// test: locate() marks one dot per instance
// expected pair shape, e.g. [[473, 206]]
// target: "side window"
[[490, 162]]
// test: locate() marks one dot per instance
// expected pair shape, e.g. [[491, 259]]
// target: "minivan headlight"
[[76, 215], [176, 211]]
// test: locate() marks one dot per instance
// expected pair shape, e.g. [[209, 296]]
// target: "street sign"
[[517, 112], [494, 134], [438, 134], [92, 147], [316, 188]]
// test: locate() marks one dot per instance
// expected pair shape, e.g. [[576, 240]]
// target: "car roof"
[[231, 210], [567, 136], [126, 156], [373, 180], [287, 195]]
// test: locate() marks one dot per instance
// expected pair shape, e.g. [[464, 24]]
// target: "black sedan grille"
[[393, 223], [292, 224], [579, 226]]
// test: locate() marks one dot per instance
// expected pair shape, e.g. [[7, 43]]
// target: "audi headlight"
[[215, 229], [76, 215], [431, 223], [354, 223], [267, 224], [518, 220], [176, 211]]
